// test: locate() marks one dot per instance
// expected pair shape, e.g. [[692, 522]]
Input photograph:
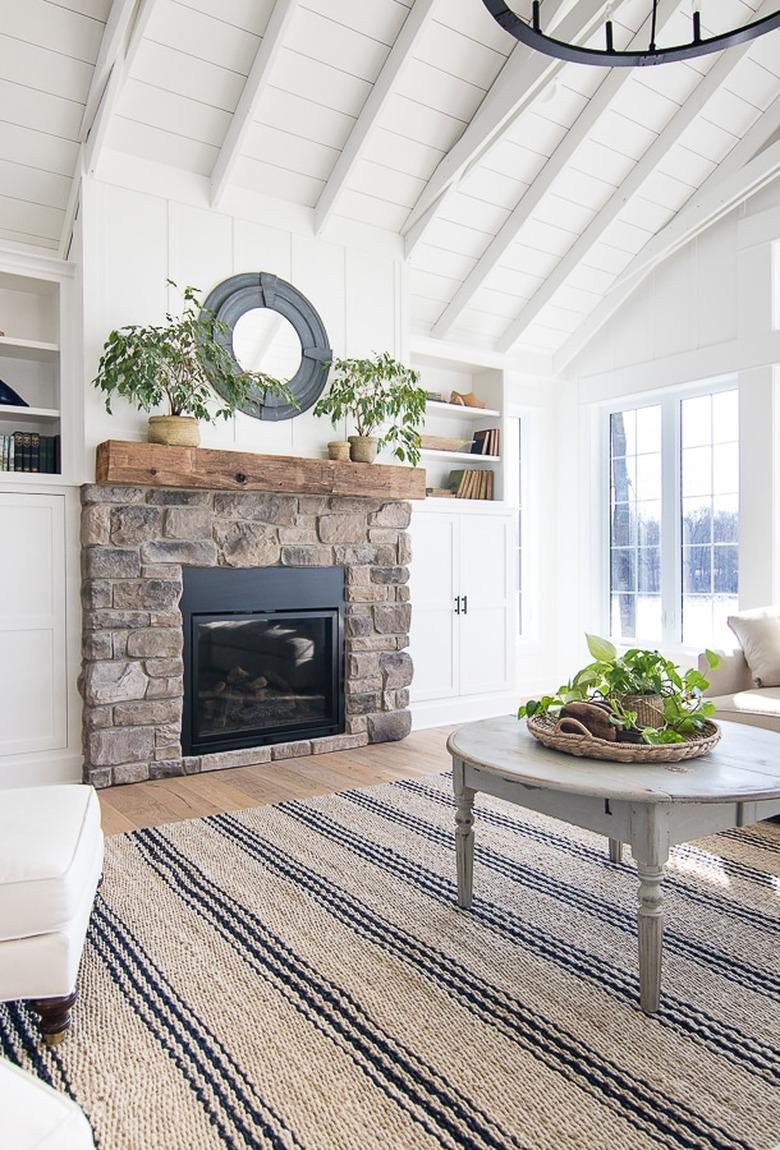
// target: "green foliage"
[[611, 677], [177, 364], [378, 393]]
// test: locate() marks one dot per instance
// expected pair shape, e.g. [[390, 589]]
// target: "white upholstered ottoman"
[[33, 1116], [51, 858]]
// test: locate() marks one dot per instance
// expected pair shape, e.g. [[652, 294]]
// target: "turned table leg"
[[650, 930], [615, 851], [464, 834], [54, 1016]]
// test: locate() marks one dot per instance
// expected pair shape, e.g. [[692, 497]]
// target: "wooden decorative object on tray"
[[576, 739]]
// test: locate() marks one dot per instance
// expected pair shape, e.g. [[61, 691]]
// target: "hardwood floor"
[[151, 804]]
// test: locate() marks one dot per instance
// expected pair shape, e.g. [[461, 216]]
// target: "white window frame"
[[669, 400]]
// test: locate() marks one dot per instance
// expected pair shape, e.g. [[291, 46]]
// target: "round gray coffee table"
[[650, 808]]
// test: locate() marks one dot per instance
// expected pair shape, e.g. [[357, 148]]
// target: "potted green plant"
[[639, 696], [179, 365], [376, 393]]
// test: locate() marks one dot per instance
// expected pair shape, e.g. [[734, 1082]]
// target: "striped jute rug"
[[299, 976]]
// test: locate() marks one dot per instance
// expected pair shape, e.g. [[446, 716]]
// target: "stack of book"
[[473, 483], [28, 451], [487, 442]]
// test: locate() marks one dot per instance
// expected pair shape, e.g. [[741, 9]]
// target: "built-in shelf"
[[440, 408], [462, 456], [28, 414], [28, 349]]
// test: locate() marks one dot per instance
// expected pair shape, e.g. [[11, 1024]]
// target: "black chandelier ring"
[[532, 36]]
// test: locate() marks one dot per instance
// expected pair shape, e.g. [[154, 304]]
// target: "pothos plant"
[[612, 679], [180, 365], [378, 393]]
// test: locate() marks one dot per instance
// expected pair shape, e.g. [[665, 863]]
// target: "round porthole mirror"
[[270, 327]]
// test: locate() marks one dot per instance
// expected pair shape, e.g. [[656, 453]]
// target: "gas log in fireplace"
[[263, 656]]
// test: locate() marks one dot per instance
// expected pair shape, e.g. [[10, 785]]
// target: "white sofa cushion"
[[758, 632], [759, 707], [35, 1116], [50, 841]]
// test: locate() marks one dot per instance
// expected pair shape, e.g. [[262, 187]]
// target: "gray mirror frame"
[[235, 296]]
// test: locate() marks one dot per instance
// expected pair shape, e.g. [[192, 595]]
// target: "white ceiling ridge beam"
[[518, 84], [645, 166], [561, 157], [255, 86], [401, 52], [711, 203], [122, 34]]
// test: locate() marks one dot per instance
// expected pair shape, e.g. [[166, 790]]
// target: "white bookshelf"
[[451, 420], [31, 306]]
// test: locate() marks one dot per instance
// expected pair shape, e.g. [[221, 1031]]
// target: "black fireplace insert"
[[263, 656]]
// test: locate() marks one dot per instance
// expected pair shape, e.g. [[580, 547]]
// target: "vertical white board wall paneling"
[[33, 667]]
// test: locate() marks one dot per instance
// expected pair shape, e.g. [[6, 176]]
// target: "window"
[[674, 577], [710, 514], [635, 539]]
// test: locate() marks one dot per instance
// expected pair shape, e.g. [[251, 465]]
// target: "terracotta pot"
[[174, 430], [363, 448], [338, 449]]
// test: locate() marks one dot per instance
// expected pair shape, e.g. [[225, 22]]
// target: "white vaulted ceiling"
[[526, 189]]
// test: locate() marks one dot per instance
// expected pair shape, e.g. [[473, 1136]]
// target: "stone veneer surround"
[[134, 543]]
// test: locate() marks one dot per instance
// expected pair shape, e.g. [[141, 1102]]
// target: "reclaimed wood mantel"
[[154, 465]]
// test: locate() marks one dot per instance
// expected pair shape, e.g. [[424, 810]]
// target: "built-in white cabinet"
[[33, 668], [463, 632]]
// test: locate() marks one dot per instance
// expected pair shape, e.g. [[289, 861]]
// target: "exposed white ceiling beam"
[[686, 114], [123, 32], [517, 85], [403, 49], [739, 176], [563, 154], [255, 86]]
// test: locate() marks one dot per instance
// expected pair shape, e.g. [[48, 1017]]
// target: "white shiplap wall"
[[135, 240]]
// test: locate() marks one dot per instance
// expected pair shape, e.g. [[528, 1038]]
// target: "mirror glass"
[[264, 340]]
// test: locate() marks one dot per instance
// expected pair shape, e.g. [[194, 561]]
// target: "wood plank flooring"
[[151, 804]]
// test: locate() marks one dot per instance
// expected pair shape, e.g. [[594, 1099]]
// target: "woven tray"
[[586, 746]]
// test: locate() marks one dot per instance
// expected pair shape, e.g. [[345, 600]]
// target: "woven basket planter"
[[577, 740], [649, 709]]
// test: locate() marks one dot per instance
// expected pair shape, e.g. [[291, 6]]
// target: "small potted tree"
[[178, 365], [377, 394]]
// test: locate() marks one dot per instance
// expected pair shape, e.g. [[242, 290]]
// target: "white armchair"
[[51, 859], [735, 695]]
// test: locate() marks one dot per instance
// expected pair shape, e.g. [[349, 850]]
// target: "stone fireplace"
[[142, 546]]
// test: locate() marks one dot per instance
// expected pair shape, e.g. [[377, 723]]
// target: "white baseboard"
[[443, 712], [40, 770]]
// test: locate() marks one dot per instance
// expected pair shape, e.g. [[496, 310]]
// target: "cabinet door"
[[33, 668], [433, 590], [486, 630]]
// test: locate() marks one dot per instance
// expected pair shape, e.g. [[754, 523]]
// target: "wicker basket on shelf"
[[573, 738]]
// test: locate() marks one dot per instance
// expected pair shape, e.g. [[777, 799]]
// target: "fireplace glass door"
[[263, 675]]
